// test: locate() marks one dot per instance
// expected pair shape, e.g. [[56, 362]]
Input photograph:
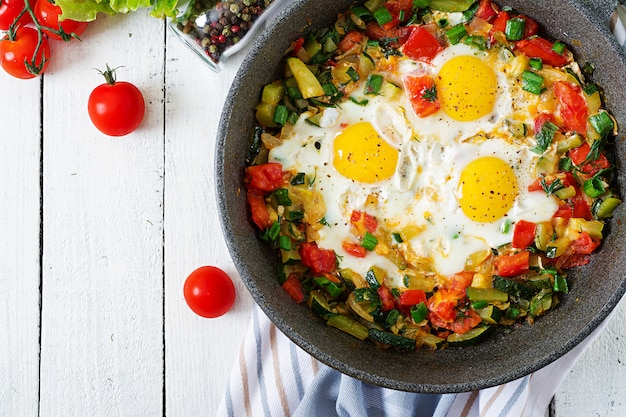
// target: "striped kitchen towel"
[[275, 378]]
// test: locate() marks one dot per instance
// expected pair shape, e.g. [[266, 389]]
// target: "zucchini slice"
[[405, 344], [471, 337]]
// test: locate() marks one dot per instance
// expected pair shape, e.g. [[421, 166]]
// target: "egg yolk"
[[488, 189], [362, 155], [467, 88]]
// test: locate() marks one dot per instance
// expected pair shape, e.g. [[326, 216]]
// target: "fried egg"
[[458, 179]]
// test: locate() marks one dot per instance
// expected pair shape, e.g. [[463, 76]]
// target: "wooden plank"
[[595, 385], [199, 352], [20, 138], [102, 306]]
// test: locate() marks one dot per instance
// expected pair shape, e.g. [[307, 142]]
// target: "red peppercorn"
[[235, 29], [221, 39]]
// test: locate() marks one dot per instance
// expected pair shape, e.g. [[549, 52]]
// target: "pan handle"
[[604, 8]]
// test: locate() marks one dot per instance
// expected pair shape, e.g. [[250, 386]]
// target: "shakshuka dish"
[[430, 170]]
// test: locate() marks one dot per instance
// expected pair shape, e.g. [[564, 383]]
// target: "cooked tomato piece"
[[399, 9], [421, 45], [363, 222], [572, 106], [293, 287], [410, 298], [351, 39], [513, 265], [538, 47], [531, 27], [464, 322], [585, 244], [265, 177], [523, 234], [319, 260], [258, 209], [541, 119], [579, 156], [354, 249], [443, 304], [423, 94], [460, 281], [386, 298]]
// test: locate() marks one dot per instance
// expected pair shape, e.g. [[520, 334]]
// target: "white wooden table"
[[97, 235]]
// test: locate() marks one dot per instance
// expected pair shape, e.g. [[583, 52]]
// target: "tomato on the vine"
[[116, 108], [20, 56], [209, 292], [47, 14], [9, 10]]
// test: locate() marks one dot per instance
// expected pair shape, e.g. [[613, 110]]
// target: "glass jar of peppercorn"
[[215, 29]]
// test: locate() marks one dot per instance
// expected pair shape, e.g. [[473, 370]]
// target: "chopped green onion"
[[590, 89], [370, 277], [369, 241], [442, 23], [298, 179], [479, 42], [353, 74], [382, 16], [602, 123], [361, 12], [456, 34], [532, 82], [281, 114], [588, 68], [594, 187], [536, 63], [295, 216], [470, 13], [293, 117], [398, 237], [271, 233], [373, 84], [560, 284], [544, 137], [361, 102], [558, 47], [565, 164], [294, 93], [329, 89], [514, 30], [282, 197], [505, 227], [419, 312], [477, 305], [284, 242]]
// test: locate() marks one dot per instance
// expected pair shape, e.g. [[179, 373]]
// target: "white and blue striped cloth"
[[274, 378]]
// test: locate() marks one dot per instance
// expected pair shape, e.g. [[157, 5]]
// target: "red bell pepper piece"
[[421, 45], [351, 39], [499, 24], [487, 10], [538, 47], [523, 234], [513, 265]]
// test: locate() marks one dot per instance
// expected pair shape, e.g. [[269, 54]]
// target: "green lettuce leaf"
[[87, 10]]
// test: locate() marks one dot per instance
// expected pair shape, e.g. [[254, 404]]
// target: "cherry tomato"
[[17, 53], [209, 292], [9, 10], [116, 108], [47, 14]]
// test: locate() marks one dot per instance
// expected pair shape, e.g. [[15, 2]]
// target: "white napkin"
[[275, 378]]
